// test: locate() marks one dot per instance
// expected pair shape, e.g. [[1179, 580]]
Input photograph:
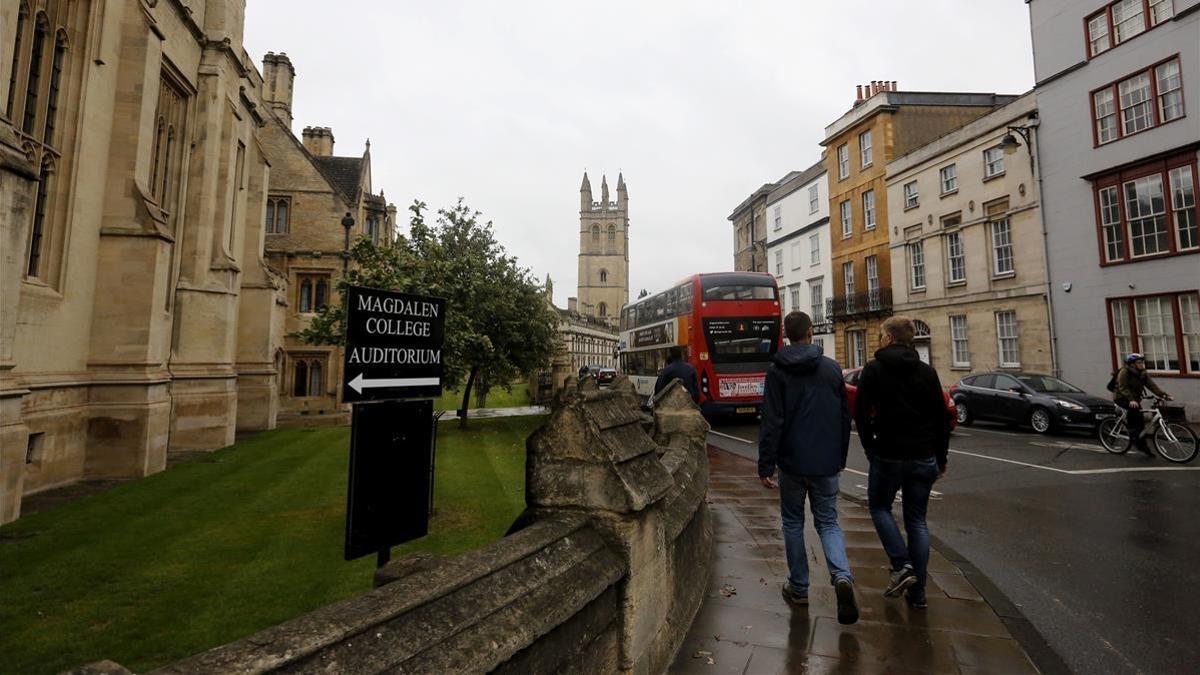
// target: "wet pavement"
[[744, 625]]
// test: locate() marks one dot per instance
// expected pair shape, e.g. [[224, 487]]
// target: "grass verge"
[[219, 547], [497, 398]]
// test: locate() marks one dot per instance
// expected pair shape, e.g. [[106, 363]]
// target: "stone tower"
[[603, 250]]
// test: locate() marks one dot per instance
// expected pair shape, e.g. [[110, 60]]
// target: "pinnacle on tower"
[[585, 194], [603, 190]]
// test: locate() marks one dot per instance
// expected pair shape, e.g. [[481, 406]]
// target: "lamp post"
[[347, 225]]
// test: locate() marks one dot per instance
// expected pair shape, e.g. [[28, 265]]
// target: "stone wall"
[[603, 572]]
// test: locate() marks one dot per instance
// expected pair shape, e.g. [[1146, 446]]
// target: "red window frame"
[[1106, 10], [1134, 344], [1118, 179], [1114, 87]]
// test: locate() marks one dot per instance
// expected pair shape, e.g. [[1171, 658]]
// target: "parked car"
[[851, 376], [1043, 402], [606, 375]]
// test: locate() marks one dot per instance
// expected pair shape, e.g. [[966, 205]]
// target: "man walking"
[[805, 432], [904, 428], [677, 368]]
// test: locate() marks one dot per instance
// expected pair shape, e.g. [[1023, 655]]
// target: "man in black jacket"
[[805, 432], [677, 369], [904, 428]]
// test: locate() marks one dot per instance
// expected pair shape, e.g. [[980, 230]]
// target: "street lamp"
[[1010, 143], [347, 224]]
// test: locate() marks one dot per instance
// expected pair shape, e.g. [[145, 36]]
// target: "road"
[[1099, 551]]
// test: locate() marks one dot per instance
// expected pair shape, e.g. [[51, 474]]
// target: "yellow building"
[[312, 192], [137, 315], [884, 123]]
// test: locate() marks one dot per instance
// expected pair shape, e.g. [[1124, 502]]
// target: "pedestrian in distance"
[[901, 417], [677, 369], [805, 434], [1132, 381]]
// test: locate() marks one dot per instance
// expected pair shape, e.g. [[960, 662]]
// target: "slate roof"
[[343, 172]]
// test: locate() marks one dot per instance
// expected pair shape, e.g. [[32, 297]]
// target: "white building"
[[1118, 92], [798, 246]]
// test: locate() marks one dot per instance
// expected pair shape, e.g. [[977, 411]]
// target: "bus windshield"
[[737, 287]]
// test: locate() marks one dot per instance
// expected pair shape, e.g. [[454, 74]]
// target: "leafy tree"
[[498, 322]]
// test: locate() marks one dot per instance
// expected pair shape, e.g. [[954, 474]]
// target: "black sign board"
[[391, 475], [393, 345], [663, 333]]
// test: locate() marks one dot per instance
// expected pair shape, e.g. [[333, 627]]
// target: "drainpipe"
[[1037, 176]]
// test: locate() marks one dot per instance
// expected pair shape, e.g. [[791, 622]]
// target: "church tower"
[[603, 250]]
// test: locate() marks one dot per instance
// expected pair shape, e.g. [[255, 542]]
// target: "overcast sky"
[[698, 103]]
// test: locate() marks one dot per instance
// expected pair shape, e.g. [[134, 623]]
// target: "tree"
[[498, 322]]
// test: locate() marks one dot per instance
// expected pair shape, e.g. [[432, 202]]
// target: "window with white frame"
[[848, 278], [1097, 28], [1146, 210], [779, 262], [956, 259], [847, 223], [916, 265], [912, 198], [960, 353], [949, 178], [814, 198], [814, 249], [794, 292], [993, 162], [797, 262], [868, 204], [1160, 10], [1128, 19], [778, 217], [856, 348], [818, 301], [1122, 20], [864, 148], [1166, 328], [843, 160], [1007, 339], [1002, 247], [1183, 207], [1110, 224], [873, 298], [1141, 101]]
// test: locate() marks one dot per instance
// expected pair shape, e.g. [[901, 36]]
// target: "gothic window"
[[165, 163], [322, 293], [603, 309], [313, 292], [22, 15], [316, 380], [300, 379], [278, 209], [34, 77], [603, 276], [56, 66], [612, 237], [38, 233], [239, 184], [306, 291], [595, 234], [372, 229]]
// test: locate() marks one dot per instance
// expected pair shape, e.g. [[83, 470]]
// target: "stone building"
[[884, 123], [603, 251], [970, 265], [750, 231], [312, 191], [137, 315], [1118, 92], [798, 246]]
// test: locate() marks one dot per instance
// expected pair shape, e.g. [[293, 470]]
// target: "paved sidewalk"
[[744, 625]]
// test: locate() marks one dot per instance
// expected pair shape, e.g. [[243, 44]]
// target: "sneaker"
[[916, 602], [1144, 447], [792, 597], [901, 580], [847, 608]]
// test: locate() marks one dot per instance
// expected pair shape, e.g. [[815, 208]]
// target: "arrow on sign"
[[359, 383]]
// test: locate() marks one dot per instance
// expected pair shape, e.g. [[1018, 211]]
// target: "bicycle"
[[1174, 442]]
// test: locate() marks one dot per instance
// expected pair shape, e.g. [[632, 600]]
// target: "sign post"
[[393, 351]]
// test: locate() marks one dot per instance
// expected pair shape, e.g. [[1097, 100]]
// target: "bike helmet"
[[1135, 357]]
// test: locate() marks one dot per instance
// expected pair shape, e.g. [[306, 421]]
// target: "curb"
[[1039, 651]]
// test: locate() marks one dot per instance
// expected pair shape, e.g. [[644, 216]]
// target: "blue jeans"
[[916, 478], [823, 492]]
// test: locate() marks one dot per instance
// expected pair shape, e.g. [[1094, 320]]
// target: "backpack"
[[1112, 382]]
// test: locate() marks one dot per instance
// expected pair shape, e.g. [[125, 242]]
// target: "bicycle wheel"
[[1113, 436], [1175, 442]]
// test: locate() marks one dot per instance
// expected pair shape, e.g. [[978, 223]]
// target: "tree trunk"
[[466, 400]]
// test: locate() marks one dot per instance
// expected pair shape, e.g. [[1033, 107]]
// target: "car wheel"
[[1040, 420], [962, 413]]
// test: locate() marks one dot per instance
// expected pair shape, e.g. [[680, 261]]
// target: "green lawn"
[[222, 546], [497, 398]]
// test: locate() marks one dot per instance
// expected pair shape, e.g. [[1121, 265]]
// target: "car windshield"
[[1045, 384]]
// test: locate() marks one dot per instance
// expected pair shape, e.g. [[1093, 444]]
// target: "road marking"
[[1080, 472], [1063, 445], [732, 438]]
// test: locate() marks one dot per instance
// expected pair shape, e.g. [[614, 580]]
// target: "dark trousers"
[[1135, 422], [915, 478]]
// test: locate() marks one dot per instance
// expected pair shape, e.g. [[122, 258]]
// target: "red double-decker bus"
[[728, 326]]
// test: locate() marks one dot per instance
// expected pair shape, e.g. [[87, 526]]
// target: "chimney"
[[318, 141], [278, 78], [894, 86], [858, 93], [572, 304]]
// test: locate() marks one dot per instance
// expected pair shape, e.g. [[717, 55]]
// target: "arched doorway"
[[921, 339]]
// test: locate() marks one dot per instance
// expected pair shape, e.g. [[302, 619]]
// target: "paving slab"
[[744, 625]]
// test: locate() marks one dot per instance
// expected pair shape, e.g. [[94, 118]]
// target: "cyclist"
[[1132, 381]]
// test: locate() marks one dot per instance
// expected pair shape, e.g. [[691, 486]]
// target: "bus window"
[[739, 292]]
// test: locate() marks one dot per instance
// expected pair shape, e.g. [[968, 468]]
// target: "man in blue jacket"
[[805, 433]]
